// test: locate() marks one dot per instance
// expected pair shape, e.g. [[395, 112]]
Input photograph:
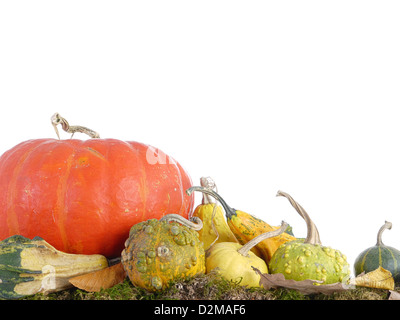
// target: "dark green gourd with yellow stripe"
[[379, 255], [31, 266]]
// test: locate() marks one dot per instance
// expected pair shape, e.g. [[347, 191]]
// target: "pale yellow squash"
[[235, 262]]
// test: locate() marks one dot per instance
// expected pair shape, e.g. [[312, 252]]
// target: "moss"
[[288, 294], [360, 293], [208, 287]]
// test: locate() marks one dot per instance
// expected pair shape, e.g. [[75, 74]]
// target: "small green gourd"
[[308, 259], [379, 255]]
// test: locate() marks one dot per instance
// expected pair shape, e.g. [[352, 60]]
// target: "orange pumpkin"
[[83, 196]]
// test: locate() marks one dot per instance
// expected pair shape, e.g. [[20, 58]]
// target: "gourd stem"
[[113, 261], [387, 225], [196, 225], [312, 231], [228, 210], [208, 183], [244, 250]]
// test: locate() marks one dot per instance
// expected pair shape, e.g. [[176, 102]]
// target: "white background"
[[298, 96]]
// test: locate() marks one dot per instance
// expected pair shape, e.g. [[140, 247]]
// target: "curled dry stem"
[[196, 224], [244, 250], [312, 231], [228, 210], [56, 119]]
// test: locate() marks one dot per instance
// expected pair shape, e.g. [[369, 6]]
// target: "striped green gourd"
[[30, 266], [379, 255]]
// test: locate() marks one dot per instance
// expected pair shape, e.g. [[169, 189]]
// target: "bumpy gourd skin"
[[299, 261], [246, 227], [157, 252]]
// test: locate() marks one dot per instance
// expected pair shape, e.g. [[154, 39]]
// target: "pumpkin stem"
[[312, 231], [228, 210], [56, 119], [387, 225], [244, 250], [196, 225]]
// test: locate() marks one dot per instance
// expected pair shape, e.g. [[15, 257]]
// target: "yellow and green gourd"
[[159, 251], [379, 255], [33, 266], [309, 259]]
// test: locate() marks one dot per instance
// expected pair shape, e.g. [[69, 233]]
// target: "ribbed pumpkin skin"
[[385, 256], [84, 196]]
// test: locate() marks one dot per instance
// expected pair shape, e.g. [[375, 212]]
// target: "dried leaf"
[[394, 295], [277, 280], [102, 279], [380, 278]]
